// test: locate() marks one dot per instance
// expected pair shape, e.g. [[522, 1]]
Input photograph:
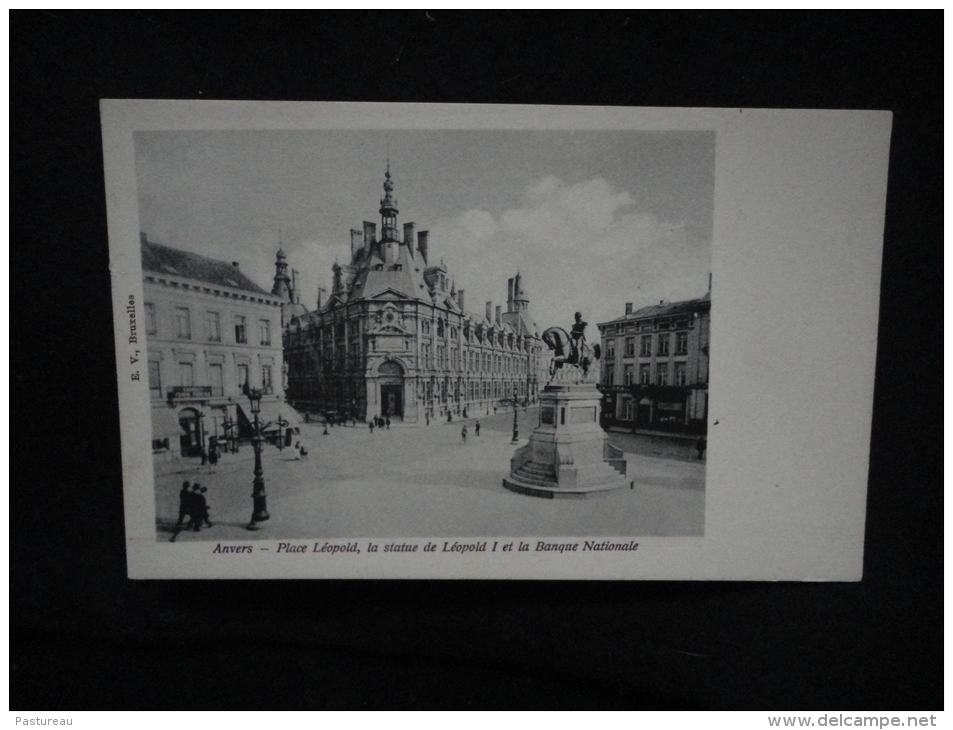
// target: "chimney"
[[498, 321], [509, 291], [356, 242], [489, 311], [460, 299], [628, 308], [370, 233], [409, 235], [422, 244]]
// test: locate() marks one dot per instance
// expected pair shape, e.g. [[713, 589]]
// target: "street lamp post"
[[260, 513], [516, 428]]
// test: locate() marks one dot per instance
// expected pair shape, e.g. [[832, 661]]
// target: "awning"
[[165, 423]]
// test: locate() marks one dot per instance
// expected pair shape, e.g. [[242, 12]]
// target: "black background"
[[82, 636]]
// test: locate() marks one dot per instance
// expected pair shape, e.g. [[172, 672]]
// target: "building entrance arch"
[[192, 440], [390, 377]]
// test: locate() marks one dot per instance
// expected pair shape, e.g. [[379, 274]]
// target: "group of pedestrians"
[[378, 422], [192, 504], [476, 429]]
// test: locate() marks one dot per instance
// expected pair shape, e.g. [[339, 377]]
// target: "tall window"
[[215, 379], [628, 409], [646, 346], [645, 374], [661, 373], [663, 341], [155, 384], [241, 335], [681, 374], [629, 374], [183, 323], [266, 378], [681, 343], [264, 332], [630, 347], [186, 374], [213, 325], [151, 326], [243, 376], [610, 374]]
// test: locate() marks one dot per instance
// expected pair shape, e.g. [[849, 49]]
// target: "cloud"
[[583, 246]]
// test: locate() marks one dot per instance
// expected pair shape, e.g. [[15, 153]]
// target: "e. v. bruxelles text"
[[455, 547]]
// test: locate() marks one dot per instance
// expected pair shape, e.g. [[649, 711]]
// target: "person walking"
[[463, 433], [427, 417], [477, 428], [185, 503], [371, 426], [387, 422], [700, 446], [201, 509]]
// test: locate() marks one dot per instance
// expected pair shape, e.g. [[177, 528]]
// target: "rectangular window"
[[213, 324], [661, 374], [215, 379], [630, 347], [645, 374], [663, 340], [151, 325], [241, 336], [154, 382], [681, 343], [610, 349], [264, 332], [243, 376], [628, 409], [266, 378], [610, 375], [646, 350], [629, 374], [681, 373], [186, 375], [183, 323]]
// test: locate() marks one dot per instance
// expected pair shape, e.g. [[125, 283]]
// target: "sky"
[[592, 219]]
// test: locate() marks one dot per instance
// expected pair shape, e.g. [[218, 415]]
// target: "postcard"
[[477, 341]]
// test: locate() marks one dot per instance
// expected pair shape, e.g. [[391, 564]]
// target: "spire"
[[282, 286], [388, 209]]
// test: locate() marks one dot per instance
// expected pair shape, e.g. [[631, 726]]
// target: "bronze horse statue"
[[569, 351]]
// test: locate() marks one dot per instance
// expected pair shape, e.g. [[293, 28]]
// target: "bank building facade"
[[394, 338]]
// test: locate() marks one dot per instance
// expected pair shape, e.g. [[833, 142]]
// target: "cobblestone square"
[[425, 481]]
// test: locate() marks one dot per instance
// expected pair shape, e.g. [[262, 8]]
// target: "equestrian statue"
[[570, 348]]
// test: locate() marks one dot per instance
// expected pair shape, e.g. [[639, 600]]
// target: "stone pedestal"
[[568, 454]]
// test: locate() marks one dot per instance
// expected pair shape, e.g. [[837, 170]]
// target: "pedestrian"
[[463, 433], [212, 455], [201, 509], [196, 507], [185, 503], [449, 417], [464, 411], [307, 417], [387, 422], [477, 428], [700, 446], [371, 425], [303, 452], [494, 410], [427, 417]]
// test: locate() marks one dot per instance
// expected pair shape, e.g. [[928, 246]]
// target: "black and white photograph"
[[368, 340], [368, 325]]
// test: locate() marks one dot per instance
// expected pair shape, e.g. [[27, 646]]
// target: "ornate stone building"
[[395, 339], [655, 367], [209, 330]]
